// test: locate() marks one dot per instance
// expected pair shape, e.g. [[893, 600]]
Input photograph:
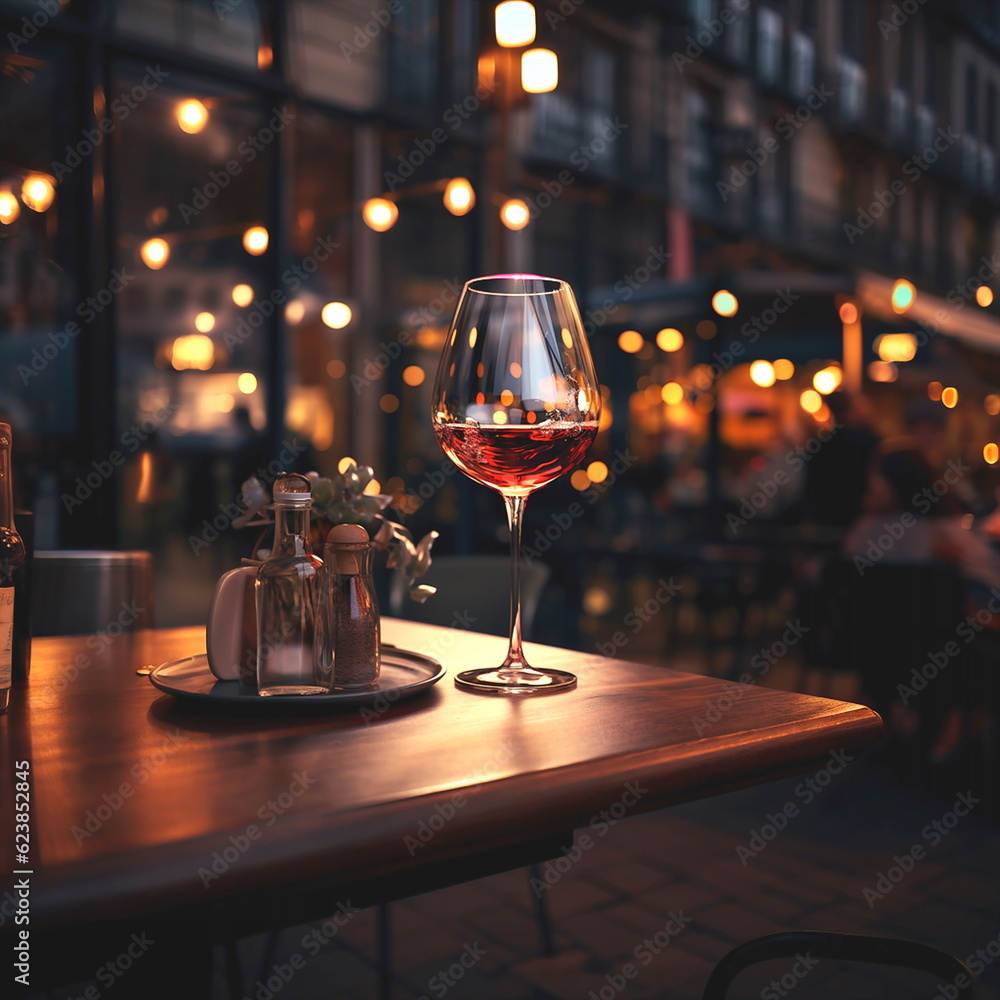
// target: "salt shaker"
[[351, 613]]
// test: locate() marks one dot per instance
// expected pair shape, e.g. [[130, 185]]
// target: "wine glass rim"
[[557, 284]]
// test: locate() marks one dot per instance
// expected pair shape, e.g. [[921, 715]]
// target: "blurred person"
[[837, 475], [925, 431], [929, 526], [904, 483]]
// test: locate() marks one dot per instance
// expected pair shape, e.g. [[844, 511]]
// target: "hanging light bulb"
[[155, 253], [255, 240], [336, 315], [9, 207], [459, 198], [515, 24], [514, 214], [38, 192], [380, 214], [539, 71], [192, 116]]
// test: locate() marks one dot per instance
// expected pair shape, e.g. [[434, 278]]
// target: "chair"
[[885, 623], [480, 587], [896, 952], [76, 592]]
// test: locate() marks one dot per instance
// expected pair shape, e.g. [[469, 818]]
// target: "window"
[[575, 115], [413, 54], [699, 151], [971, 101], [852, 27], [229, 30], [851, 75], [990, 129], [802, 63], [970, 147], [769, 37]]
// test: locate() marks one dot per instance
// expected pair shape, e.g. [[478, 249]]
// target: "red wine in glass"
[[516, 404]]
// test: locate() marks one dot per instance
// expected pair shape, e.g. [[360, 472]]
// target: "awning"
[[956, 316]]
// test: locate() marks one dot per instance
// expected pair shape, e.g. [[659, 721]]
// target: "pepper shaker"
[[353, 627]]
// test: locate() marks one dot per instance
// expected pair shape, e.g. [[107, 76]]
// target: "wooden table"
[[150, 813]]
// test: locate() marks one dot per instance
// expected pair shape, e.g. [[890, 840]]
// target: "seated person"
[[929, 525], [933, 526]]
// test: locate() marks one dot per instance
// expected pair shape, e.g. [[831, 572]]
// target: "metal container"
[[78, 592]]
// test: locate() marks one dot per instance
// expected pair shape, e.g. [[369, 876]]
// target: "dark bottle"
[[352, 629], [13, 640]]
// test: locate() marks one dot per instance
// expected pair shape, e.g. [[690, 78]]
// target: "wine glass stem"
[[515, 667]]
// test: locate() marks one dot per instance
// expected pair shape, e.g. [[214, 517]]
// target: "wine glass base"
[[487, 680]]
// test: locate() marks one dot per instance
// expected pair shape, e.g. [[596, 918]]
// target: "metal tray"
[[403, 674]]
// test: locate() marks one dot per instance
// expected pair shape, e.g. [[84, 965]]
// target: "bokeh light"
[[762, 374], [903, 295], [379, 214], [514, 214], [242, 295], [672, 393], [724, 303], [630, 341], [38, 192], [255, 240], [669, 340], [414, 375], [336, 315], [192, 116], [811, 401], [597, 472], [155, 253]]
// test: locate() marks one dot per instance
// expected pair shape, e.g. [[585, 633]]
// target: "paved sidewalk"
[[668, 893]]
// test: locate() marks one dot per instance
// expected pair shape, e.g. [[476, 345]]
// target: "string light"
[[38, 192], [515, 24], [336, 315], [459, 198], [255, 240], [379, 214], [9, 207], [539, 71], [155, 253], [514, 214], [192, 116]]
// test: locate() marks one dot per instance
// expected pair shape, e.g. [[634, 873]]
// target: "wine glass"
[[515, 405]]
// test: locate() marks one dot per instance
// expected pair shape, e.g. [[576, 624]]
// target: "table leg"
[[384, 919]]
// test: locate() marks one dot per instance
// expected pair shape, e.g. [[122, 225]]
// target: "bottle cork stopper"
[[346, 539]]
